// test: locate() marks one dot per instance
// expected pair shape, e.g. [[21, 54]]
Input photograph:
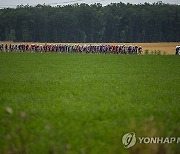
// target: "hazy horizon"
[[14, 3]]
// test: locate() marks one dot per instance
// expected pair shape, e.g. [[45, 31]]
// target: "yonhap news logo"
[[130, 139]]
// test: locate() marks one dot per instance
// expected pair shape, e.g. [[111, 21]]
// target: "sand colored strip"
[[165, 47]]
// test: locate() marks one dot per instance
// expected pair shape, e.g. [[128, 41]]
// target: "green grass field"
[[85, 103]]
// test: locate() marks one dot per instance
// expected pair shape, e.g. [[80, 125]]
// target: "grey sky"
[[12, 3]]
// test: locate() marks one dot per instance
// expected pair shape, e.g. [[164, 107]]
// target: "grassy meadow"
[[84, 103]]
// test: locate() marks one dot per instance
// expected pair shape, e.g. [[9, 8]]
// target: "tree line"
[[117, 22]]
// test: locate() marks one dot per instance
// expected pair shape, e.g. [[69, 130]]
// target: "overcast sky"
[[12, 3]]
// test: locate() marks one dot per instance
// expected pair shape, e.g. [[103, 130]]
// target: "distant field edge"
[[162, 47]]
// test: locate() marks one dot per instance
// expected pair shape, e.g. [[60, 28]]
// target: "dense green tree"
[[117, 22]]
